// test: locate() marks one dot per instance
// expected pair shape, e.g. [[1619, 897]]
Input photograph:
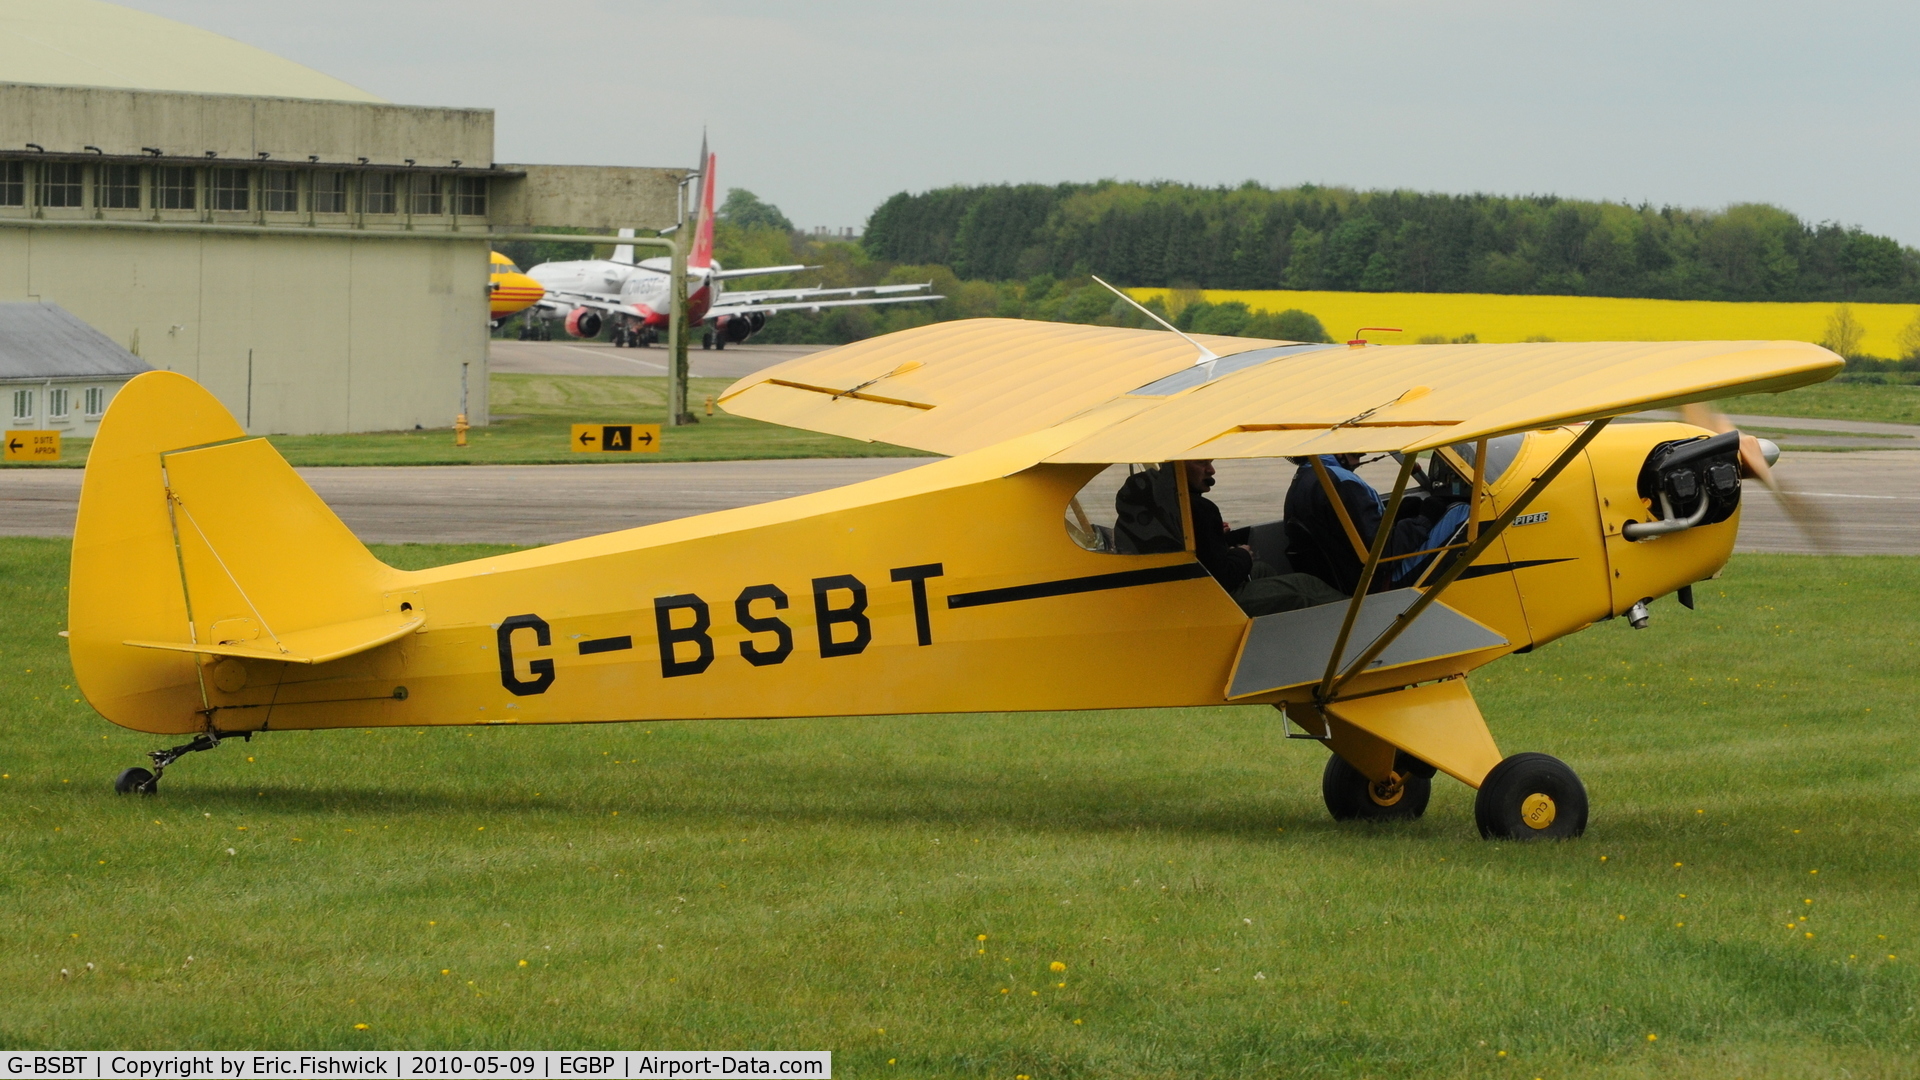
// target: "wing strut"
[[1372, 558], [1331, 684]]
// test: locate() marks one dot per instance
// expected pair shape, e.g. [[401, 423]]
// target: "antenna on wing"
[[1206, 354]]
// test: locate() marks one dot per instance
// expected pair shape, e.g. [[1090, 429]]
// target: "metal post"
[[678, 414]]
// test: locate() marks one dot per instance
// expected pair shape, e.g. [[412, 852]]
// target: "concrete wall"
[[65, 119], [587, 196], [345, 334]]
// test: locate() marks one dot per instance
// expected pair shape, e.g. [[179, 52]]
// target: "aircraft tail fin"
[[702, 256], [206, 548], [623, 253]]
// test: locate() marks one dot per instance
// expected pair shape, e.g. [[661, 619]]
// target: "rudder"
[[191, 534]]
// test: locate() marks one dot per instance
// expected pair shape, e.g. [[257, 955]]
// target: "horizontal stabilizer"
[[1291, 648], [314, 646]]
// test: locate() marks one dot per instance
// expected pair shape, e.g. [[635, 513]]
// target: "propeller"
[[1756, 460]]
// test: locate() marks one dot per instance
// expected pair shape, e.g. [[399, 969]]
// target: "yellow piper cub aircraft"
[[213, 594]]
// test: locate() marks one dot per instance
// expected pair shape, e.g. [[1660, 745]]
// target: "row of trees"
[[751, 232], [1310, 237]]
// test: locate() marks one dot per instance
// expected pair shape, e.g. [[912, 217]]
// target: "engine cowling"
[[738, 328], [583, 322]]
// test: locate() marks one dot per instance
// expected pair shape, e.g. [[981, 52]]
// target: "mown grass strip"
[[896, 889]]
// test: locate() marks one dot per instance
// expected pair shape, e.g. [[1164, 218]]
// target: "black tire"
[[1531, 797], [1350, 796], [136, 781]]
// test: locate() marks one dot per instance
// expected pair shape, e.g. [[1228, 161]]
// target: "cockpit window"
[[1128, 510], [1201, 374], [1500, 454], [505, 268]]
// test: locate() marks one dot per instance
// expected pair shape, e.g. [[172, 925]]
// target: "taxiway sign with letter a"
[[616, 438], [32, 446]]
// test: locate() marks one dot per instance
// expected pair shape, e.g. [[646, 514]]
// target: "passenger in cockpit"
[[1317, 541], [1259, 589]]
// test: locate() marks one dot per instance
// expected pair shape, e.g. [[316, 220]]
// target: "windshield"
[[1201, 374]]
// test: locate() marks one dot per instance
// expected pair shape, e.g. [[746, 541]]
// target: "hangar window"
[[57, 403], [229, 189], [173, 188], [329, 193], [60, 184], [426, 194], [470, 196], [23, 405], [279, 191], [13, 183], [376, 193], [117, 187], [94, 401]]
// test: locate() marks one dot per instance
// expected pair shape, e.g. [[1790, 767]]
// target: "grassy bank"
[[1746, 902], [532, 415]]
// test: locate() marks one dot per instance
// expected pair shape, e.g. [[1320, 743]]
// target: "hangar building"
[[314, 256]]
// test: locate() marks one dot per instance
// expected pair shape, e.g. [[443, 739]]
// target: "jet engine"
[[583, 322], [738, 328]]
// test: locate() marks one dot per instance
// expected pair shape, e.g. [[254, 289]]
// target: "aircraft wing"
[[763, 295], [752, 271], [562, 303], [954, 387], [730, 308]]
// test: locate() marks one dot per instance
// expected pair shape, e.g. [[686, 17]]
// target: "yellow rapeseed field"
[[1567, 318]]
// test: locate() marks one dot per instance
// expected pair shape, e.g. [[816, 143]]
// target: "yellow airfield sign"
[[32, 446], [616, 438]]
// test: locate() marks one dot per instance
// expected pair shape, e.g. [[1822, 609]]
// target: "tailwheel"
[[1531, 797], [136, 781], [1350, 796]]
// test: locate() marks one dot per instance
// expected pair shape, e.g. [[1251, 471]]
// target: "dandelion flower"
[[979, 937], [359, 1027], [523, 963], [1076, 1021], [1056, 966], [1652, 1037]]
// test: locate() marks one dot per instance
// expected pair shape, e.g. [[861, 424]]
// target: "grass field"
[[1746, 902], [1894, 404], [532, 415]]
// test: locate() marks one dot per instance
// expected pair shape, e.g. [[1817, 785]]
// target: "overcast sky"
[[827, 107]]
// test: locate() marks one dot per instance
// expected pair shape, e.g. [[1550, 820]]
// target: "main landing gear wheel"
[[1350, 796], [136, 781], [1531, 797]]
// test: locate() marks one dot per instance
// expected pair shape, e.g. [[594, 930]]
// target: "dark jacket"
[[1228, 563], [1317, 543]]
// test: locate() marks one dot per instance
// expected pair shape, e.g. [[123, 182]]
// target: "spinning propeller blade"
[[1755, 461]]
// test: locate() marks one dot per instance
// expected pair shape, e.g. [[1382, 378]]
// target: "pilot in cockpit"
[[1318, 542], [1149, 521]]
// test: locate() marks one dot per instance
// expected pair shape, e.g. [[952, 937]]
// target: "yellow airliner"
[[510, 291], [214, 594]]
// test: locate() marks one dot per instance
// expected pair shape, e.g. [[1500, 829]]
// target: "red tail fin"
[[702, 256]]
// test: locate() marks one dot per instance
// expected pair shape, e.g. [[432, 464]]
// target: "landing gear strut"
[[138, 781]]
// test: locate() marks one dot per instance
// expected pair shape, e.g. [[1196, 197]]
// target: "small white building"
[[56, 372]]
